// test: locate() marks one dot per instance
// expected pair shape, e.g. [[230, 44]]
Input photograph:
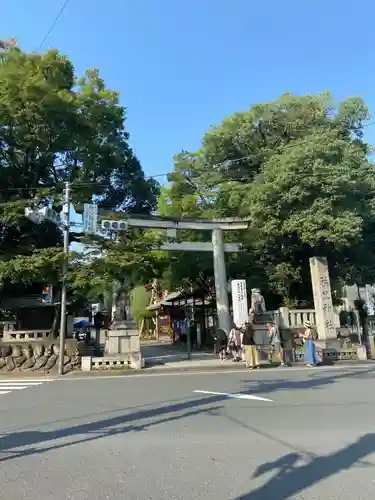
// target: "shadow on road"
[[291, 477], [133, 421], [88, 416], [107, 427], [315, 380]]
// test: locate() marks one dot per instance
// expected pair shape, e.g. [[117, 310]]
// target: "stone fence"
[[295, 318], [10, 336], [30, 355]]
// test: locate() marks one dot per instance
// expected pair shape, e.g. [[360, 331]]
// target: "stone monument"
[[325, 319], [123, 337]]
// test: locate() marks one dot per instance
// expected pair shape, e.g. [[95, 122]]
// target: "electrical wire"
[[58, 15], [215, 166], [79, 184]]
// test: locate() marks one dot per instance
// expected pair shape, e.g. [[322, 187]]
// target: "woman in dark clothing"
[[221, 340], [250, 348]]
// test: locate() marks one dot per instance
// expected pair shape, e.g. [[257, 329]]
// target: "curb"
[[160, 368], [230, 368]]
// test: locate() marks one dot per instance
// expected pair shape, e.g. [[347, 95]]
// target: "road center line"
[[235, 396]]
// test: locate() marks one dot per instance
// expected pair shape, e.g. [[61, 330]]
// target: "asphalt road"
[[152, 437]]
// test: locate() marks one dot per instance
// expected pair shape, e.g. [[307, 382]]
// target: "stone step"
[[263, 318], [260, 326], [89, 350]]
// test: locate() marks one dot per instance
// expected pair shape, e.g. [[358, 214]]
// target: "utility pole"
[[66, 228]]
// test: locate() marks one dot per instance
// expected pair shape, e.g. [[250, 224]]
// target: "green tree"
[[140, 300], [316, 198], [56, 127], [184, 268], [298, 168], [184, 199]]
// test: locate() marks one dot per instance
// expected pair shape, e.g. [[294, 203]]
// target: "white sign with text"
[[239, 302]]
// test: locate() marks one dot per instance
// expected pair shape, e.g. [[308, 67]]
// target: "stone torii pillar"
[[221, 282]]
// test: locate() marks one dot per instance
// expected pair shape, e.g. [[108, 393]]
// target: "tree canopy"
[[299, 168], [56, 127]]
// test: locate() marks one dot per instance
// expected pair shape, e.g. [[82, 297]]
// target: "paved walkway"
[[168, 355], [196, 361], [175, 357]]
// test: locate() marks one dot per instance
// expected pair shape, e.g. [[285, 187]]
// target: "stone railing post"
[[284, 317]]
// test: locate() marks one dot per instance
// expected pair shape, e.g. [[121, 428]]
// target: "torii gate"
[[218, 247]]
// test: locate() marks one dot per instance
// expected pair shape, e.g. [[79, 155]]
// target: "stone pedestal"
[[325, 318], [362, 353], [123, 340], [86, 363]]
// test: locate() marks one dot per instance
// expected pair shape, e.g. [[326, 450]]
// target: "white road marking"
[[13, 387], [23, 382], [235, 396], [34, 381], [9, 385]]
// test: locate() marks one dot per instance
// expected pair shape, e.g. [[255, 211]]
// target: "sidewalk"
[[153, 350], [165, 357], [198, 361], [208, 361], [200, 366]]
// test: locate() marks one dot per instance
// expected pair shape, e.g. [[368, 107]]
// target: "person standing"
[[234, 343], [221, 344], [275, 342], [251, 352], [309, 337], [287, 346]]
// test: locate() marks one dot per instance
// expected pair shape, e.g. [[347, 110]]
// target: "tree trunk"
[[56, 322]]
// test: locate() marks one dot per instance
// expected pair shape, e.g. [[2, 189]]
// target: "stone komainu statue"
[[123, 308], [258, 305]]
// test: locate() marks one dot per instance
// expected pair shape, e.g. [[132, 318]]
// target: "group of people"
[[241, 345]]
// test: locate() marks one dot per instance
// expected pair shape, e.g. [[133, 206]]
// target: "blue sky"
[[183, 65]]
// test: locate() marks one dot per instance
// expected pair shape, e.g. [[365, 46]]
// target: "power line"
[[54, 23], [79, 184], [253, 156], [232, 178]]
